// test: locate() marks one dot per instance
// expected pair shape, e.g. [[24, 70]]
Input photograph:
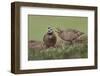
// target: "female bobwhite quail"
[[69, 35]]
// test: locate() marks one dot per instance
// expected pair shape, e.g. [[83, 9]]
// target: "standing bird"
[[49, 38], [69, 35]]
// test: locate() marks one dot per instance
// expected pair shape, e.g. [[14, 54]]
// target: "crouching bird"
[[49, 38], [69, 35]]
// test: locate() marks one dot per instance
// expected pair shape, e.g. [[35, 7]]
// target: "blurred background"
[[38, 24]]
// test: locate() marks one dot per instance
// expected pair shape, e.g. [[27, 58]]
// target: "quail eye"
[[48, 27]]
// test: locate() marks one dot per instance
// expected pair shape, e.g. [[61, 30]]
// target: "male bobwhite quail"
[[49, 38]]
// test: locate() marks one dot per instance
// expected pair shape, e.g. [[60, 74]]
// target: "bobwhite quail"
[[49, 38], [69, 35]]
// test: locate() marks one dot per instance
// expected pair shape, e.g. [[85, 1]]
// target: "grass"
[[66, 52]]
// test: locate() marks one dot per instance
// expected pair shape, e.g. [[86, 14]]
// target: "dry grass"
[[64, 51]]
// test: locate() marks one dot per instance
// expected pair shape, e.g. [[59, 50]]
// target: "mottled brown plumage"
[[69, 34], [49, 38], [81, 39]]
